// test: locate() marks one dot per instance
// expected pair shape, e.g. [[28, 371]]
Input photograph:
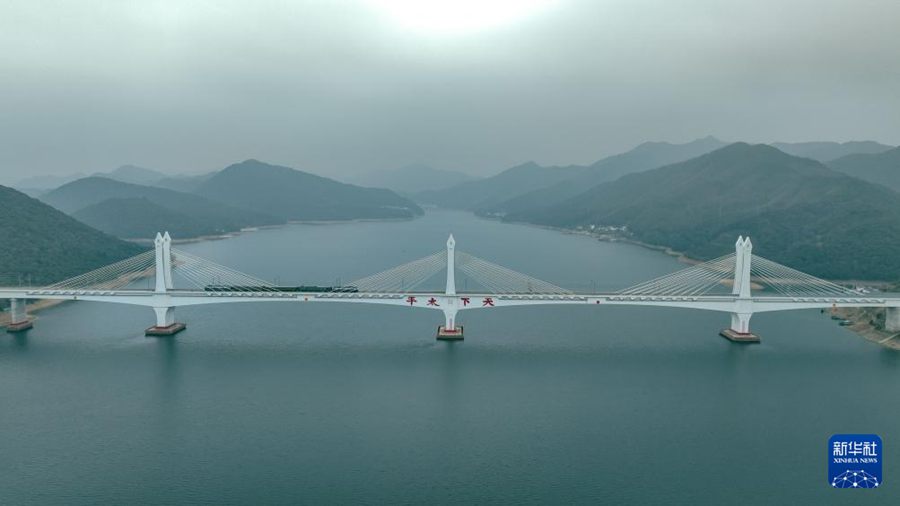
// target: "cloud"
[[346, 86]]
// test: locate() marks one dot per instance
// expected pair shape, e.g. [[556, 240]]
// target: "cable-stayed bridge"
[[738, 283]]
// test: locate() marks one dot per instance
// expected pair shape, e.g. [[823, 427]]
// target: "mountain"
[[882, 168], [183, 183], [651, 155], [413, 179], [133, 174], [36, 185], [295, 195], [827, 151], [512, 182], [648, 155], [186, 215], [43, 245], [141, 218], [125, 173], [798, 211], [530, 185]]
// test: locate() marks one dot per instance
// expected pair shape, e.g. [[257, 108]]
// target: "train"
[[286, 289]]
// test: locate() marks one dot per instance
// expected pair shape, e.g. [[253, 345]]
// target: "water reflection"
[[889, 357], [169, 375], [451, 370], [20, 340]]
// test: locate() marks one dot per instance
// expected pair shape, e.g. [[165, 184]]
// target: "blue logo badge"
[[854, 461]]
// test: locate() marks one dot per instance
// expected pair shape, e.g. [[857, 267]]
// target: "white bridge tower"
[[165, 313], [450, 331], [743, 306]]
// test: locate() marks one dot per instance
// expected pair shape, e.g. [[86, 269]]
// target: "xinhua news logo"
[[854, 461]]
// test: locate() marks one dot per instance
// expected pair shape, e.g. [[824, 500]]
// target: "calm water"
[[340, 403]]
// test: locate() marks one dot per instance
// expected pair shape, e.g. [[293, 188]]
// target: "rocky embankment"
[[869, 323]]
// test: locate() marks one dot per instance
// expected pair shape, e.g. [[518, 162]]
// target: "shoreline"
[[245, 230], [680, 256], [864, 320], [868, 324]]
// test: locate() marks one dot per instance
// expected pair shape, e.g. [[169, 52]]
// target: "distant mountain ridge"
[[798, 211], [135, 211], [483, 193], [828, 151], [882, 168], [125, 173], [134, 175], [413, 178], [184, 183], [651, 155], [646, 156], [294, 195], [531, 185], [39, 184], [528, 188]]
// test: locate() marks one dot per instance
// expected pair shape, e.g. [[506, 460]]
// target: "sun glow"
[[458, 16]]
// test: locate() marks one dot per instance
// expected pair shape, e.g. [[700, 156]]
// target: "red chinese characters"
[[411, 300], [433, 302], [488, 301]]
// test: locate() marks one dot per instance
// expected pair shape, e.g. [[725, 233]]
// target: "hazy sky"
[[344, 86]]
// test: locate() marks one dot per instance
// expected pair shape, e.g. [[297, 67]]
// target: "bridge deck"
[[38, 292]]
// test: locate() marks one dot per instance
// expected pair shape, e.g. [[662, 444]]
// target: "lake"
[[351, 403]]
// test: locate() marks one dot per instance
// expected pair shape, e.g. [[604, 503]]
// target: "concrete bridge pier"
[[892, 319], [165, 323], [18, 318], [450, 331], [739, 332]]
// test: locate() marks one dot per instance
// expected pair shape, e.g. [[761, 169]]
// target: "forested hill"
[[291, 194], [797, 211], [42, 245], [882, 168], [413, 178], [133, 211]]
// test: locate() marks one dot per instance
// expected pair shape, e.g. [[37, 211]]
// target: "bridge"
[[739, 284]]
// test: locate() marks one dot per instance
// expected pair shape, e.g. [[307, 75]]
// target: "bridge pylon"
[[450, 331], [739, 331], [165, 314]]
